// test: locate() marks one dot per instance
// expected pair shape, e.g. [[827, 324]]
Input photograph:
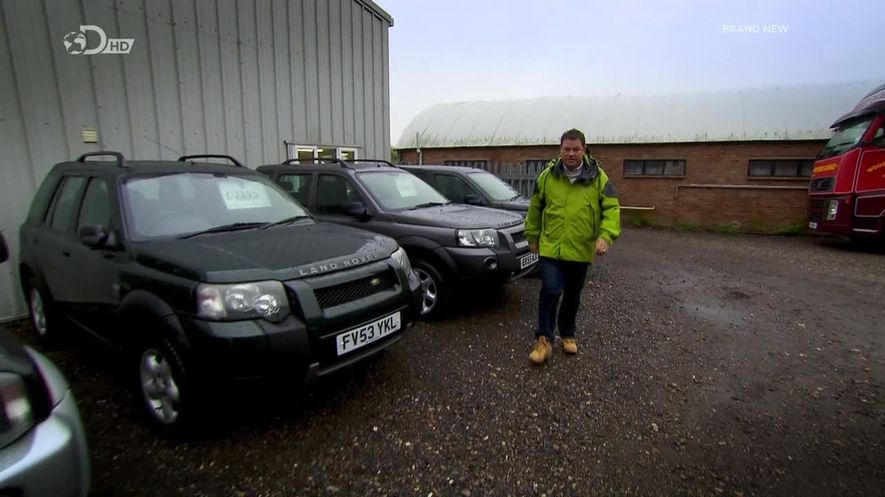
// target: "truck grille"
[[822, 184], [355, 290], [817, 208]]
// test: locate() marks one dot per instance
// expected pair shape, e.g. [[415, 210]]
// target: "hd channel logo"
[[76, 42]]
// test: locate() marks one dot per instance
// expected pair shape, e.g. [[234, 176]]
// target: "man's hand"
[[533, 247], [601, 246]]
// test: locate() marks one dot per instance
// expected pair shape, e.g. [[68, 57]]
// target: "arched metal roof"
[[770, 113]]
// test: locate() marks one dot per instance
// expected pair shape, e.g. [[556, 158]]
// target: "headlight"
[[832, 210], [402, 260], [16, 414], [263, 299], [478, 238]]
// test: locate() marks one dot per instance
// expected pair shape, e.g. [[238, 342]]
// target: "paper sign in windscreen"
[[244, 195]]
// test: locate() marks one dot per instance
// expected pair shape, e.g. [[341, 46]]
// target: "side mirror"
[[4, 252], [356, 209], [93, 236], [472, 199]]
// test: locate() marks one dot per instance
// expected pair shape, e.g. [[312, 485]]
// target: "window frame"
[[292, 150], [108, 226], [645, 163], [772, 168]]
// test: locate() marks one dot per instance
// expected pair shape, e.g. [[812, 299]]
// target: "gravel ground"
[[709, 365]]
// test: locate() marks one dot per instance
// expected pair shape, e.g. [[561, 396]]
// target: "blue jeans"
[[563, 279]]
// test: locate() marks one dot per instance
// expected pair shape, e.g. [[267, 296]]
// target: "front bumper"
[[486, 264], [304, 344], [52, 458]]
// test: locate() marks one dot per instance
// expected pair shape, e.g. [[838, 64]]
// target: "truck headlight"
[[478, 238], [402, 259], [263, 299], [832, 210]]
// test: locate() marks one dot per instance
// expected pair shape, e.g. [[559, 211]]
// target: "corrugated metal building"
[[736, 160], [259, 80]]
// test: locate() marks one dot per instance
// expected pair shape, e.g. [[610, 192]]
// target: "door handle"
[[66, 253]]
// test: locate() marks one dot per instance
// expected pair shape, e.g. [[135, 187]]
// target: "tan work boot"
[[541, 351], [569, 345]]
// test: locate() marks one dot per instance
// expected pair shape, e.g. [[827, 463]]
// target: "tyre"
[[436, 289], [164, 388], [42, 313]]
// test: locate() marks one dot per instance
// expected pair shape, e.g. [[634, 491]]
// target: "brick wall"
[[723, 163]]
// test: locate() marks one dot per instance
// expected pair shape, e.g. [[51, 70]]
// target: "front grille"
[[518, 237], [822, 184], [354, 290], [817, 208]]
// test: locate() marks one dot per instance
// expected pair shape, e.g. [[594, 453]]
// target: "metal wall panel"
[[230, 76]]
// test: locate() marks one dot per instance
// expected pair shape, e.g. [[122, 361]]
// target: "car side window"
[[298, 185], [453, 187], [96, 208], [333, 192], [61, 216]]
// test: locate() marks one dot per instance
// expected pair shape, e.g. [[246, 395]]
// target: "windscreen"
[[494, 187], [847, 137], [183, 203], [398, 190]]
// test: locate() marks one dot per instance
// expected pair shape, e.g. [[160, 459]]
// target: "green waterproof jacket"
[[567, 218]]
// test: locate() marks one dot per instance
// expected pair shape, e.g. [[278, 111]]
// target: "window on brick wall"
[[535, 166], [476, 164], [780, 168], [654, 167]]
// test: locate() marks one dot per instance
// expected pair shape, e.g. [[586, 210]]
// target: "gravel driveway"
[[709, 365]]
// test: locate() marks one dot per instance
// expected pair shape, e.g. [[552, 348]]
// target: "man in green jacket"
[[574, 215]]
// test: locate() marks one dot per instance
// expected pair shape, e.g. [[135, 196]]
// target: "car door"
[[333, 192], [453, 187], [55, 239], [297, 185], [95, 303]]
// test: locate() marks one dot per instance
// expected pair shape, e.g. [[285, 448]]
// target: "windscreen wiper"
[[287, 220], [223, 228], [517, 196], [429, 204]]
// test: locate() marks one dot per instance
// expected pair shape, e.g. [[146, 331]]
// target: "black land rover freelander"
[[449, 244], [207, 272]]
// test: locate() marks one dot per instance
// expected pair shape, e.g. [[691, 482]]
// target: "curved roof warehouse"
[[776, 113]]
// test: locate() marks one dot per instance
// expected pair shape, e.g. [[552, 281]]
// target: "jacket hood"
[[588, 172], [459, 216], [279, 253]]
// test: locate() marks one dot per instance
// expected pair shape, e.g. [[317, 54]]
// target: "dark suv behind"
[[207, 272], [449, 244], [468, 185]]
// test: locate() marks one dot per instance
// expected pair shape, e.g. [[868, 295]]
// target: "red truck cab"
[[847, 188]]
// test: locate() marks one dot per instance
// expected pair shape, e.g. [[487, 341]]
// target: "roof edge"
[[377, 10]]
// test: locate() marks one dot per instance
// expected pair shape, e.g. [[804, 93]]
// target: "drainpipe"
[[418, 149]]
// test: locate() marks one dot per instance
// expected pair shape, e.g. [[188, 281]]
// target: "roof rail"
[[188, 158], [121, 161], [340, 162], [380, 162]]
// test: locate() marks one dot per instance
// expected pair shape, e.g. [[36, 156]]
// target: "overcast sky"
[[464, 50]]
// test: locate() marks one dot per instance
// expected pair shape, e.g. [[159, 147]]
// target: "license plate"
[[527, 260], [368, 333], [812, 225]]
